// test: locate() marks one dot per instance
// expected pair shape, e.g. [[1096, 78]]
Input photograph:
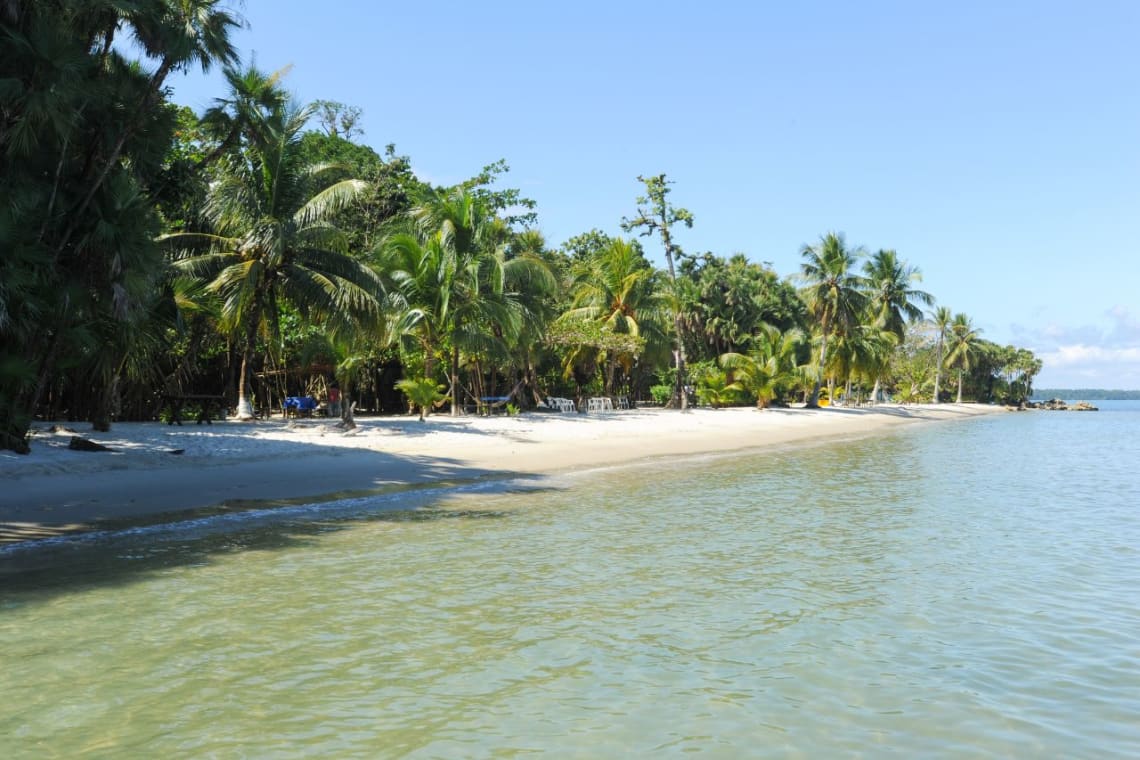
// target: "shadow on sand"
[[38, 559]]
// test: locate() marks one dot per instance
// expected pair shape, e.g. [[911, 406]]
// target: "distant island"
[[1085, 394]]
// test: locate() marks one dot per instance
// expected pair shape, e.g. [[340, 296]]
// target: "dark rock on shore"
[[82, 444], [1058, 405]]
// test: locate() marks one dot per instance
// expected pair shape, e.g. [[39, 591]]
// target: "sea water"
[[960, 589]]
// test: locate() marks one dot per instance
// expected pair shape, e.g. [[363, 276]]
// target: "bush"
[[661, 394]]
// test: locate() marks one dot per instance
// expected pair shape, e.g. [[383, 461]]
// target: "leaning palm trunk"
[[347, 421], [959, 386], [244, 407], [681, 394], [455, 381], [938, 370], [813, 398]]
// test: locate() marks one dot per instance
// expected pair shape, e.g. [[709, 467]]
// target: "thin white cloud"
[[1079, 355], [1101, 355], [1089, 366]]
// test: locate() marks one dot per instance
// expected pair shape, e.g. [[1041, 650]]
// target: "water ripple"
[[963, 590]]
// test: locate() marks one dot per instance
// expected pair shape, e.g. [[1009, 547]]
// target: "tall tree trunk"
[[244, 408], [938, 370], [455, 381], [347, 418], [959, 386], [678, 326], [682, 373], [105, 406], [429, 358], [813, 398]]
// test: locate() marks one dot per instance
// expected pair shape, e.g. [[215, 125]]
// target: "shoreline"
[[234, 465]]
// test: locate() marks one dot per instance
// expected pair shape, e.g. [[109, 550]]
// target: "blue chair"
[[298, 406]]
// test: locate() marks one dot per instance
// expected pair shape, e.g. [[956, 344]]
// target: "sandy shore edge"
[[156, 469]]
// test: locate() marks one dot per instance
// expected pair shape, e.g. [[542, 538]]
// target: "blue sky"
[[994, 145]]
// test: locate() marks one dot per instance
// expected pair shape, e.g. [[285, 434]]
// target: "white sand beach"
[[55, 489]]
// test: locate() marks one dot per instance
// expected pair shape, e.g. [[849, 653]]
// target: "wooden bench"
[[208, 406]]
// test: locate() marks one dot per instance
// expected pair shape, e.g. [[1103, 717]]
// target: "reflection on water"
[[956, 590]]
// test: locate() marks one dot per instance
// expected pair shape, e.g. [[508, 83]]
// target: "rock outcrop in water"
[[1058, 405]]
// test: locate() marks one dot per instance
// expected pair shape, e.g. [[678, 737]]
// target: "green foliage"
[[271, 241], [509, 204], [655, 215], [337, 119], [422, 392], [587, 245], [713, 387], [83, 135], [891, 298], [592, 334], [770, 369], [963, 347], [308, 248], [180, 189], [730, 299], [455, 280], [835, 296], [390, 186], [661, 394]]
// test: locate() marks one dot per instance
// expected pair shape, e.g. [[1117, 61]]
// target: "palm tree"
[[615, 288], [862, 354], [963, 346], [893, 301], [178, 34], [942, 318], [834, 295], [536, 287], [770, 367], [423, 392], [232, 119], [272, 242], [457, 281]]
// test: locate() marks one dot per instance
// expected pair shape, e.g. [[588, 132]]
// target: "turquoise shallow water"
[[967, 589]]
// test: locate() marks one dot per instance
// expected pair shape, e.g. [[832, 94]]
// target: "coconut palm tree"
[[835, 296], [862, 354], [423, 392], [238, 116], [458, 282], [942, 317], [893, 301], [616, 289], [271, 241], [963, 346], [768, 368]]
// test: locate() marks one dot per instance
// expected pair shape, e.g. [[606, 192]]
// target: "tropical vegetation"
[[262, 249]]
